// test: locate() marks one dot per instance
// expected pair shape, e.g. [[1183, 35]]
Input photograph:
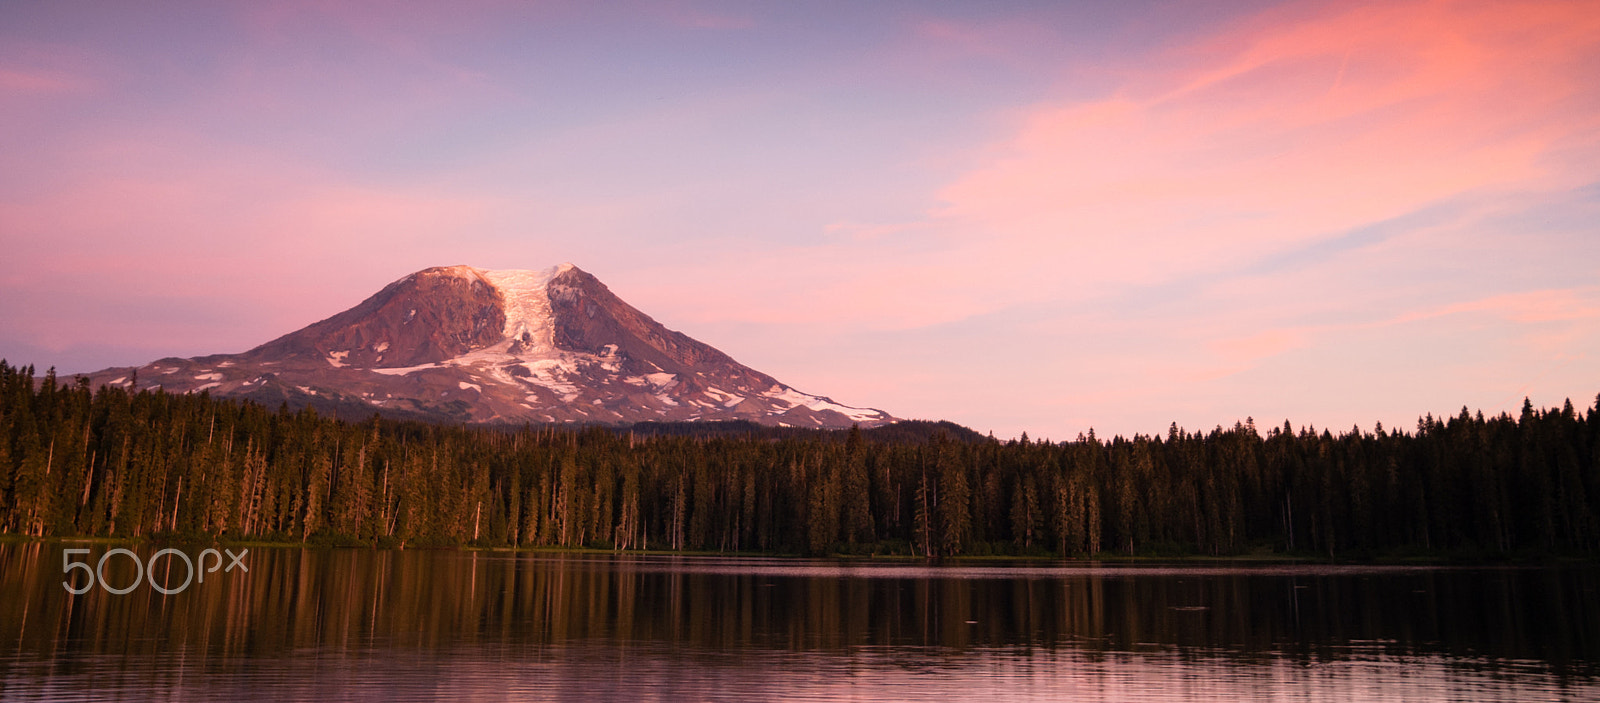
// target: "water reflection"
[[319, 624]]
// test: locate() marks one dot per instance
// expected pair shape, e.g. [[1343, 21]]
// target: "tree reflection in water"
[[315, 623]]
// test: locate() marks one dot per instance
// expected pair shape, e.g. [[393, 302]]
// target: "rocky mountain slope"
[[467, 344]]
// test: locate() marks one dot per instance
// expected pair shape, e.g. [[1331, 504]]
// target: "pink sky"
[[1022, 217]]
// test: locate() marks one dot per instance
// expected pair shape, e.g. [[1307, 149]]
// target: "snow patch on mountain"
[[527, 304], [404, 370], [796, 399]]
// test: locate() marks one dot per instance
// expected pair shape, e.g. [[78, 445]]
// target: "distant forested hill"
[[81, 461]]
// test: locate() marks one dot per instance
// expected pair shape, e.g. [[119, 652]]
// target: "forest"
[[79, 461]]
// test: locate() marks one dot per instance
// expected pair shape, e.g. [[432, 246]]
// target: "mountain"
[[467, 344]]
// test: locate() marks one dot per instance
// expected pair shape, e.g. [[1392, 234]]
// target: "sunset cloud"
[[1279, 134], [1282, 132]]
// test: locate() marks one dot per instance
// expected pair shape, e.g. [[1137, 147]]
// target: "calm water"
[[398, 625]]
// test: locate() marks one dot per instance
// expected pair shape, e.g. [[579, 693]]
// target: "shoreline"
[[1254, 558]]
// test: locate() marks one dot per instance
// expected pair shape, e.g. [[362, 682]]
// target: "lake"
[[358, 624]]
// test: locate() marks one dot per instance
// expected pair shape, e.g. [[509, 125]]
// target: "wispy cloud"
[[1281, 133]]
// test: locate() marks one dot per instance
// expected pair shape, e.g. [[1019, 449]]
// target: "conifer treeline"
[[77, 461]]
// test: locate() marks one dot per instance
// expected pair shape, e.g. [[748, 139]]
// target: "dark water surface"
[[405, 625]]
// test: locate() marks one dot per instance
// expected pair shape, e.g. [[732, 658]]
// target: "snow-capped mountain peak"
[[540, 345]]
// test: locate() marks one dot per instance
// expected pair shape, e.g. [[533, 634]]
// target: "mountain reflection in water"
[[342, 624]]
